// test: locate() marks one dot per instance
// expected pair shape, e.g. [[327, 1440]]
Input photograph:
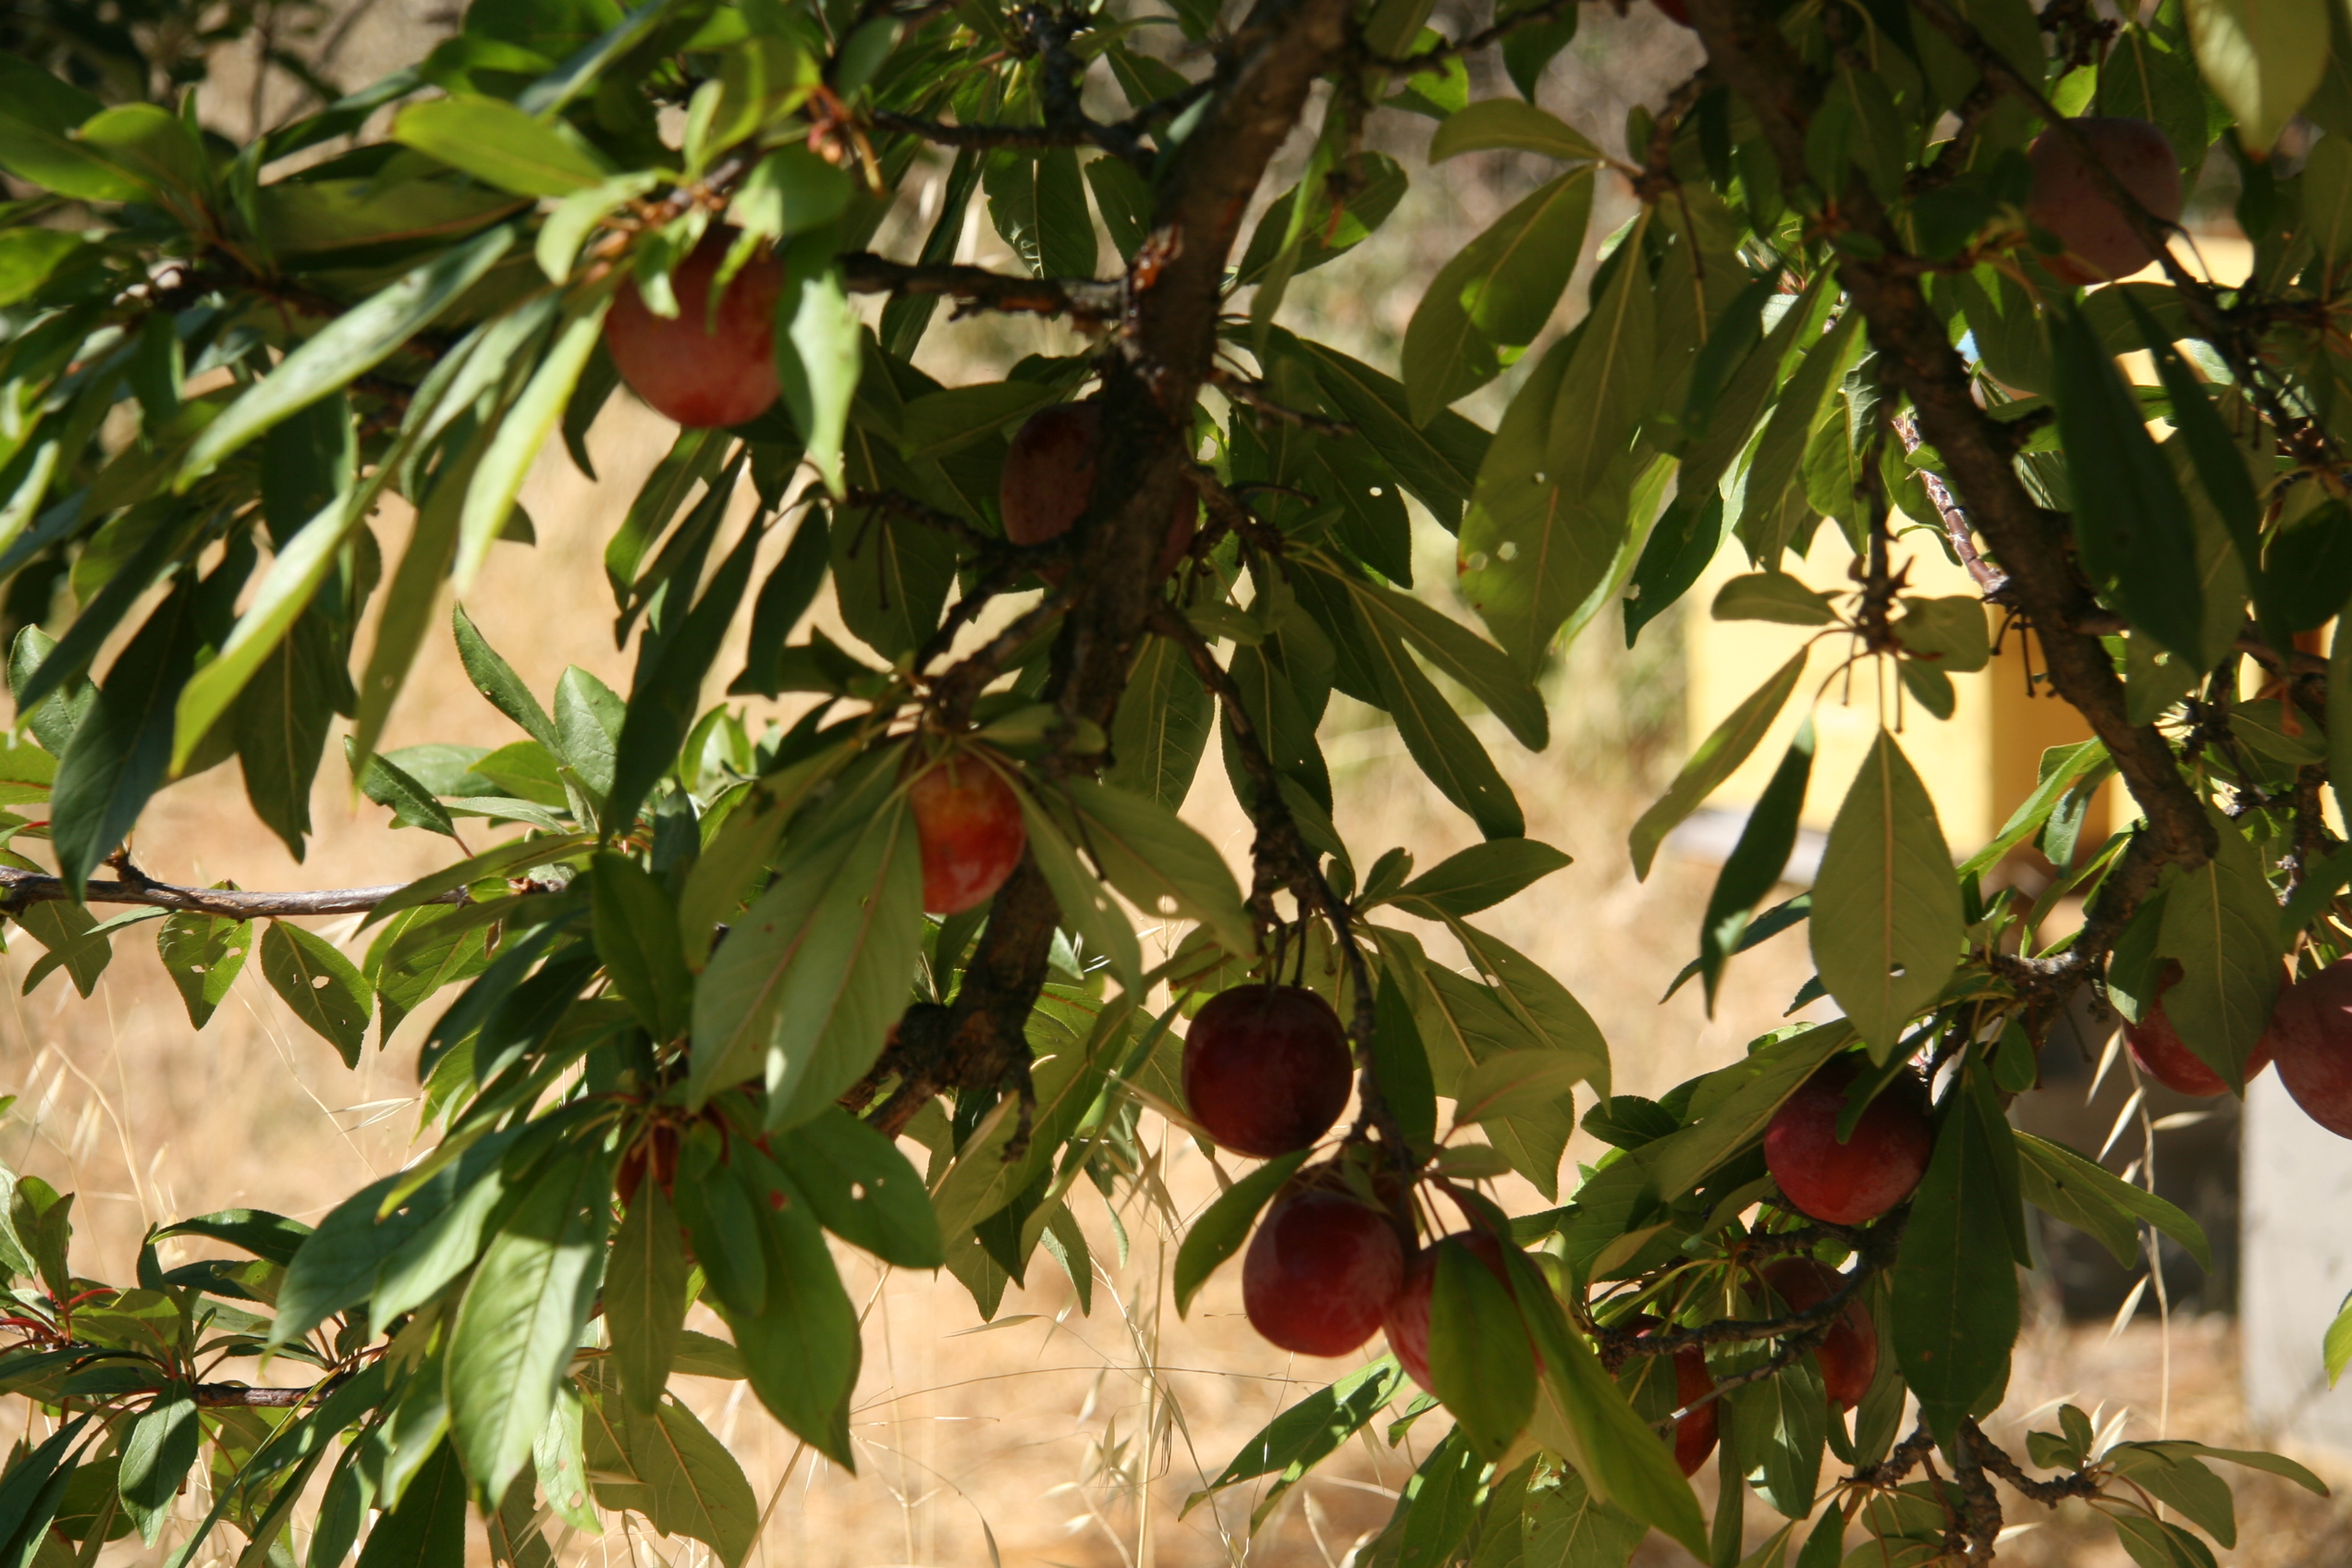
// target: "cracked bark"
[[2032, 546], [1152, 371]]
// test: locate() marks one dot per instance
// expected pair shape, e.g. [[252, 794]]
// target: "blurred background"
[[1053, 1436]]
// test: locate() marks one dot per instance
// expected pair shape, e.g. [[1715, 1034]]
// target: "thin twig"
[[1083, 299]]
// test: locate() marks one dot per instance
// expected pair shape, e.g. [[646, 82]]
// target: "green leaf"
[[1310, 1432], [1732, 1106], [1446, 749], [1453, 648], [496, 680], [2100, 1203], [1566, 1525], [1087, 908], [1887, 925], [819, 349], [1478, 1355], [1478, 878], [2222, 922], [1433, 1517], [28, 255], [2257, 1459], [388, 784], [522, 1315], [1225, 1224], [813, 973], [645, 1295], [121, 752], [2178, 1481], [202, 954], [37, 140], [1773, 596], [2061, 768], [1401, 1062], [939, 423], [500, 145], [2221, 471], [426, 1528], [285, 593], [354, 343], [1161, 727], [863, 1188], [666, 692], [800, 1353], [2262, 60], [1534, 548], [2336, 1348], [1955, 1296], [281, 721], [1607, 390], [1756, 862], [156, 1458], [1438, 461], [1493, 123], [502, 860], [320, 985], [1717, 758], [492, 485], [1618, 1455], [783, 599], [682, 1479], [2138, 540], [1513, 1082], [637, 941], [1159, 863], [1489, 302]]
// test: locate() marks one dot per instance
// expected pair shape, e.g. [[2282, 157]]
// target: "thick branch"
[[1166, 346], [2032, 546], [18, 888]]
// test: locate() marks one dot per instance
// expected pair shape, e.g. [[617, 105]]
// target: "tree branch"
[[2049, 1493], [1086, 302], [2033, 548], [1422, 59], [18, 888]]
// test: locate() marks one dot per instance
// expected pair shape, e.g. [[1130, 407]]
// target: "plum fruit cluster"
[[1267, 1072]]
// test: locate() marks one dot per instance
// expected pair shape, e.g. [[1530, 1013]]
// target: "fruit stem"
[[1282, 858]]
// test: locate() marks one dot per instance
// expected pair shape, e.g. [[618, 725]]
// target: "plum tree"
[[1849, 1180], [704, 364], [889, 945], [1266, 1069], [2099, 239]]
